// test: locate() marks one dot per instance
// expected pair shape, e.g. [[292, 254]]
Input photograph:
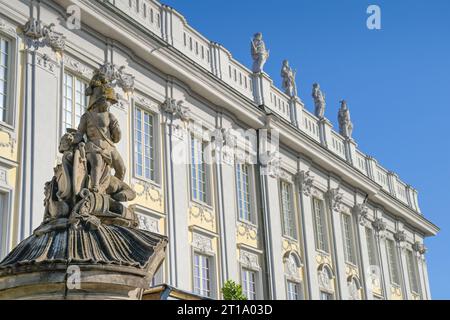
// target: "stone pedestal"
[[110, 262]]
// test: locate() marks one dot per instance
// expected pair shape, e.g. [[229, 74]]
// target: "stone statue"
[[288, 76], [259, 53], [345, 124], [319, 101], [85, 219]]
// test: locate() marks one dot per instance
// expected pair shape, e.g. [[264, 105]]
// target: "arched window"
[[354, 288], [292, 265], [326, 277]]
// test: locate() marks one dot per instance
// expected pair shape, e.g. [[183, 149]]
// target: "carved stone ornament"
[[419, 247], [400, 236], [116, 77], [270, 162], [202, 243], [78, 67], [379, 225], [362, 213], [148, 223], [335, 197], [249, 231], [249, 260], [177, 109], [305, 182], [4, 27], [148, 190], [86, 221]]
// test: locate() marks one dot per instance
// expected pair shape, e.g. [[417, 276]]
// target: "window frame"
[[12, 86], [211, 267], [393, 264], [372, 247], [207, 169], [6, 196], [251, 191], [293, 214], [256, 281], [413, 274], [63, 109], [349, 239], [156, 145], [323, 215], [298, 292]]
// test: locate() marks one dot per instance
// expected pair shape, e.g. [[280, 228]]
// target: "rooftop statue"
[[319, 101], [345, 124], [86, 220], [288, 75], [259, 53]]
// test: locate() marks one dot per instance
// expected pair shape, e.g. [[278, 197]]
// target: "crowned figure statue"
[[86, 222]]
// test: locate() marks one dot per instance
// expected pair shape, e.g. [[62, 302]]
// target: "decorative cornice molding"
[[6, 28], [305, 182], [78, 67]]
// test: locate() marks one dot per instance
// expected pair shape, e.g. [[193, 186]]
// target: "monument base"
[[81, 263]]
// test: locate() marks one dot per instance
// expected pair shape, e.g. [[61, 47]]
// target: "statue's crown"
[[100, 87]]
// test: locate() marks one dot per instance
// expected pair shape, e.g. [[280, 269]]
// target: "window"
[[371, 247], [293, 289], [144, 152], [289, 227], [249, 284], [393, 262], [412, 271], [75, 101], [326, 295], [243, 191], [198, 170], [349, 243], [202, 275], [320, 225], [4, 76]]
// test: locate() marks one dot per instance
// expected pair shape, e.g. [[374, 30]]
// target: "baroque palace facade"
[[314, 219]]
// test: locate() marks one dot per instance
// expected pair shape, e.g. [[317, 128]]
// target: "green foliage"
[[232, 291]]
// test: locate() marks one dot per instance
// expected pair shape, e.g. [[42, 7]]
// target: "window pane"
[[393, 262], [243, 191], [202, 275], [289, 228], [320, 225], [4, 53], [144, 145], [348, 238]]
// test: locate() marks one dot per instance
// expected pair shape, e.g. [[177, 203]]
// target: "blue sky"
[[396, 81]]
